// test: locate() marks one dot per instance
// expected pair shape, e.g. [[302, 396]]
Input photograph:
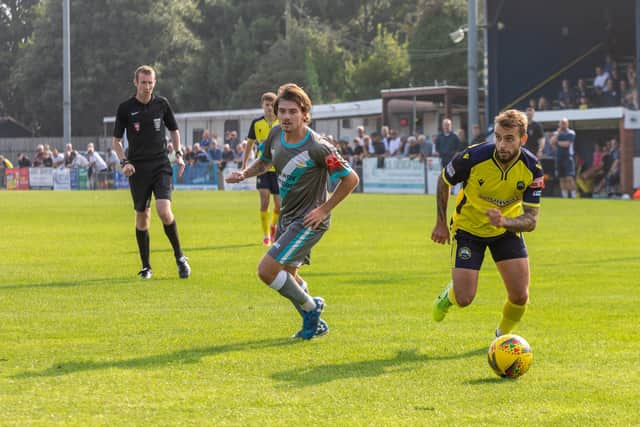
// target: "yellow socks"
[[274, 218], [264, 221], [511, 315]]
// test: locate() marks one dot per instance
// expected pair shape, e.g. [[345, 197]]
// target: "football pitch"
[[84, 342]]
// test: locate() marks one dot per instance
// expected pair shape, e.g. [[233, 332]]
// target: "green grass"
[[82, 342]]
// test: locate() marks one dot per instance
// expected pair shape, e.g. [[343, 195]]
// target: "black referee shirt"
[[145, 125]]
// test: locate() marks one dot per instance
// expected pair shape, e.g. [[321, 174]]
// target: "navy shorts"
[[151, 177], [565, 166], [269, 181], [467, 250]]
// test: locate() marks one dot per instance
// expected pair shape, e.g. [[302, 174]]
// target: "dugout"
[[537, 44]]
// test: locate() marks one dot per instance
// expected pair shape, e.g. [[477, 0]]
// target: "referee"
[[144, 117]]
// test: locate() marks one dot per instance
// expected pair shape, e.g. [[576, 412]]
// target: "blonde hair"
[[512, 119]]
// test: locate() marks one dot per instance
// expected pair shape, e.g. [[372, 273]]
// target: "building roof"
[[368, 107], [11, 128]]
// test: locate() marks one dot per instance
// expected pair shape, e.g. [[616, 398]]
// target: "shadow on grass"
[[84, 282], [492, 381], [188, 250], [404, 360], [179, 357]]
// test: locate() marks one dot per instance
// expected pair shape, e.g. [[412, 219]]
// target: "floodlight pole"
[[66, 73], [472, 68]]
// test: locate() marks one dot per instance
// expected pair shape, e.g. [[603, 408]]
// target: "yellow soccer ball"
[[510, 356]]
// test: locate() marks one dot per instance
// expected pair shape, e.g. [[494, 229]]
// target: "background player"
[[500, 198], [304, 162], [144, 117], [267, 183]]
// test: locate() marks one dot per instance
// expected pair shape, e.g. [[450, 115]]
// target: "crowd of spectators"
[[612, 85]]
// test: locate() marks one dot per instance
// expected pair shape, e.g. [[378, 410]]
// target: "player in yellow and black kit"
[[502, 184], [267, 183]]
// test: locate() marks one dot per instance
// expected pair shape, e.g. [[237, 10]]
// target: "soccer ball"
[[510, 356]]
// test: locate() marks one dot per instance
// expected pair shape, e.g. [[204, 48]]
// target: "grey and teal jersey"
[[303, 169]]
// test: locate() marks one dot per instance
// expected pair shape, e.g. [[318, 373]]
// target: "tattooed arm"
[[525, 222], [440, 233]]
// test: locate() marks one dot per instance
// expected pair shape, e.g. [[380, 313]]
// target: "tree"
[[387, 66], [16, 18], [432, 54], [105, 50]]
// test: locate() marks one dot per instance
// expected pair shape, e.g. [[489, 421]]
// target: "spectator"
[[384, 132], [57, 159], [583, 103], [478, 137], [535, 135], [5, 163], [189, 156], [215, 153], [425, 147], [360, 135], [359, 152], [23, 161], [600, 81], [611, 96], [563, 139], [379, 148], [227, 155], [631, 72], [68, 152], [626, 95], [566, 96], [112, 159], [462, 136], [78, 160], [413, 150], [582, 91], [239, 154], [543, 104], [233, 140], [345, 150], [206, 140], [200, 155], [395, 143], [38, 159], [96, 164], [614, 77], [447, 143], [171, 153], [597, 163]]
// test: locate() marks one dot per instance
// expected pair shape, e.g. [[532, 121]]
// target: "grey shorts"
[[293, 244]]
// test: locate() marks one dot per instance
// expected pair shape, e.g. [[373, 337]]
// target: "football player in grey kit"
[[304, 162]]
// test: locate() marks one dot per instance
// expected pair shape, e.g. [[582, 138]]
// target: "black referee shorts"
[[151, 177], [269, 181]]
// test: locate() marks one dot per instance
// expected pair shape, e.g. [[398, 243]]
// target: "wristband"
[[123, 162], [178, 153]]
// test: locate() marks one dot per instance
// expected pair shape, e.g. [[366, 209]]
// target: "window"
[[346, 123]]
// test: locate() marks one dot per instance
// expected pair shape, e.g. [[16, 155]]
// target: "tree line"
[[219, 54]]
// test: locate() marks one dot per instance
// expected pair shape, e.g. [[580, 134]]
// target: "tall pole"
[[472, 68], [287, 14], [66, 72]]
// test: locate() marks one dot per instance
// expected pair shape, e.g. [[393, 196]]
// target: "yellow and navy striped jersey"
[[487, 183], [259, 131]]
